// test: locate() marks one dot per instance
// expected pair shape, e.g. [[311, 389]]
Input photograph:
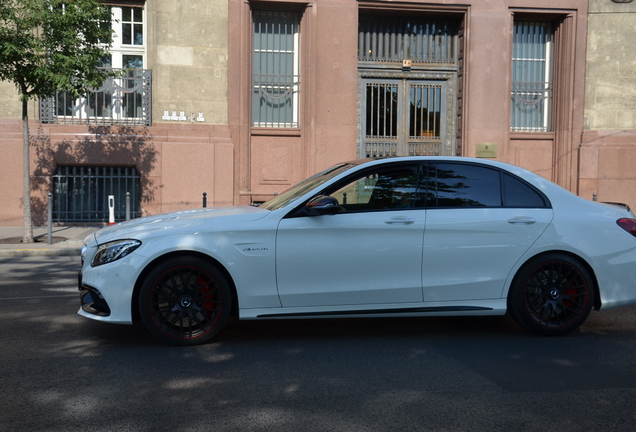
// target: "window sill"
[[532, 135], [256, 131]]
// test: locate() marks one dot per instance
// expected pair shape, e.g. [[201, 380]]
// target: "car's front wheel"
[[552, 294], [185, 301]]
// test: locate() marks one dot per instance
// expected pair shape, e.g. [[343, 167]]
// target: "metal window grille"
[[119, 101], [402, 117], [80, 193], [426, 111], [275, 69], [425, 120], [393, 39], [382, 110], [531, 94]]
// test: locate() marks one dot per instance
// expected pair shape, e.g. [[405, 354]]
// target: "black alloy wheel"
[[552, 294], [185, 301]]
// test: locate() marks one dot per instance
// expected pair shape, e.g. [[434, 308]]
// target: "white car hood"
[[176, 221]]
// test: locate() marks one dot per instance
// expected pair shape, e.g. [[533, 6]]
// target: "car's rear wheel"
[[552, 294], [185, 301]]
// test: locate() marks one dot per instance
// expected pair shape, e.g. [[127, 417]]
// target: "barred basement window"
[[275, 69], [532, 49], [81, 193]]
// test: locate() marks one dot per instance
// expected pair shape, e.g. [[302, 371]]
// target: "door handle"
[[399, 220], [522, 220]]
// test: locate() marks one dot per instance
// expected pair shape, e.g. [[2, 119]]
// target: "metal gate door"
[[402, 117]]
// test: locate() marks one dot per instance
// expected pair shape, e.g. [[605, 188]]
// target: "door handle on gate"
[[399, 220]]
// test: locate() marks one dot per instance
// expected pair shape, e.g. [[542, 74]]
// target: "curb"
[[16, 253]]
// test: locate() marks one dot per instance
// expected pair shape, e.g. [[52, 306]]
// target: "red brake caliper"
[[569, 292], [209, 304]]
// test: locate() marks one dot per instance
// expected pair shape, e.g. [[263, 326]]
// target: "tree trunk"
[[26, 196]]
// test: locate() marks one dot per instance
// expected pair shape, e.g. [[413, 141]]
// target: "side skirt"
[[378, 312]]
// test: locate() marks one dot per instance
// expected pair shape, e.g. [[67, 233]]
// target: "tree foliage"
[[53, 45], [48, 46]]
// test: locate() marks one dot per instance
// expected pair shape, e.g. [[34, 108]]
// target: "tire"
[[185, 301], [552, 295]]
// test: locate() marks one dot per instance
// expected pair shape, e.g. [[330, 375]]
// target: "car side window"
[[462, 185], [379, 189], [520, 194]]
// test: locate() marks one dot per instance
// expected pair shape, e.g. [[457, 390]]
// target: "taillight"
[[628, 225]]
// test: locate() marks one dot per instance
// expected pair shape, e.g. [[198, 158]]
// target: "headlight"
[[83, 254], [112, 251]]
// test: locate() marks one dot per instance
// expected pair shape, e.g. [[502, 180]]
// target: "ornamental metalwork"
[[126, 100], [439, 139], [530, 106], [383, 38]]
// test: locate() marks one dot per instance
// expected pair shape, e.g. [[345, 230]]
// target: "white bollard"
[[111, 209]]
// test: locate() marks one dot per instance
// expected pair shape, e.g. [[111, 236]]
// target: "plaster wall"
[[9, 103], [188, 55], [608, 145], [610, 96]]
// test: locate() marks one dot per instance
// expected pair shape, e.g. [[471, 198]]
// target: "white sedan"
[[418, 236]]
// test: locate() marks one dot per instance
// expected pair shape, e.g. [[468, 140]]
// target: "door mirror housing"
[[322, 205]]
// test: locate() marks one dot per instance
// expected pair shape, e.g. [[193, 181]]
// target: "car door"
[[368, 253], [480, 221]]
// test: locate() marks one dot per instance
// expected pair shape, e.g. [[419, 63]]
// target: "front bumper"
[[106, 291]]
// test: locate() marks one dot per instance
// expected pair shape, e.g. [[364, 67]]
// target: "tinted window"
[[519, 194], [379, 189], [463, 185], [295, 192]]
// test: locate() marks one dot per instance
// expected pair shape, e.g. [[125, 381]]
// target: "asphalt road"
[[61, 372]]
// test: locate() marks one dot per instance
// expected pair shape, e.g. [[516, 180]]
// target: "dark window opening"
[[80, 193]]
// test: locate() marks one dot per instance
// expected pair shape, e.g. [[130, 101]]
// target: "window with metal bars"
[[384, 38], [275, 69], [531, 94], [80, 193], [123, 100]]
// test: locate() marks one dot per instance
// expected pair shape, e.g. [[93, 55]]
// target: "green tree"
[[48, 46]]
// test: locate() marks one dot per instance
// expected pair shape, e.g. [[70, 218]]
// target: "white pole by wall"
[[111, 209]]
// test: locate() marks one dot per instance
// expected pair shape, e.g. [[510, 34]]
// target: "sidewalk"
[[67, 240]]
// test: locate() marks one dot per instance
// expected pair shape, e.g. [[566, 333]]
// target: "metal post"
[[205, 200], [593, 197], [127, 205], [111, 209], [49, 234]]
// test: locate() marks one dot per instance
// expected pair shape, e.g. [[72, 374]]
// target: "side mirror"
[[321, 205]]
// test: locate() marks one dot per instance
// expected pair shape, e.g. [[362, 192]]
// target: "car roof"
[[487, 162], [538, 181]]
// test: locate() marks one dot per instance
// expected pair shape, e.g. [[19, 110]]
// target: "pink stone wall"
[[177, 163], [330, 115], [607, 166]]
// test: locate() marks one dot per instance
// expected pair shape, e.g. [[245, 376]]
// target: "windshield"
[[295, 192]]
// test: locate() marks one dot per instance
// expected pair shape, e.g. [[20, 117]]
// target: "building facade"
[[241, 99], [608, 143]]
